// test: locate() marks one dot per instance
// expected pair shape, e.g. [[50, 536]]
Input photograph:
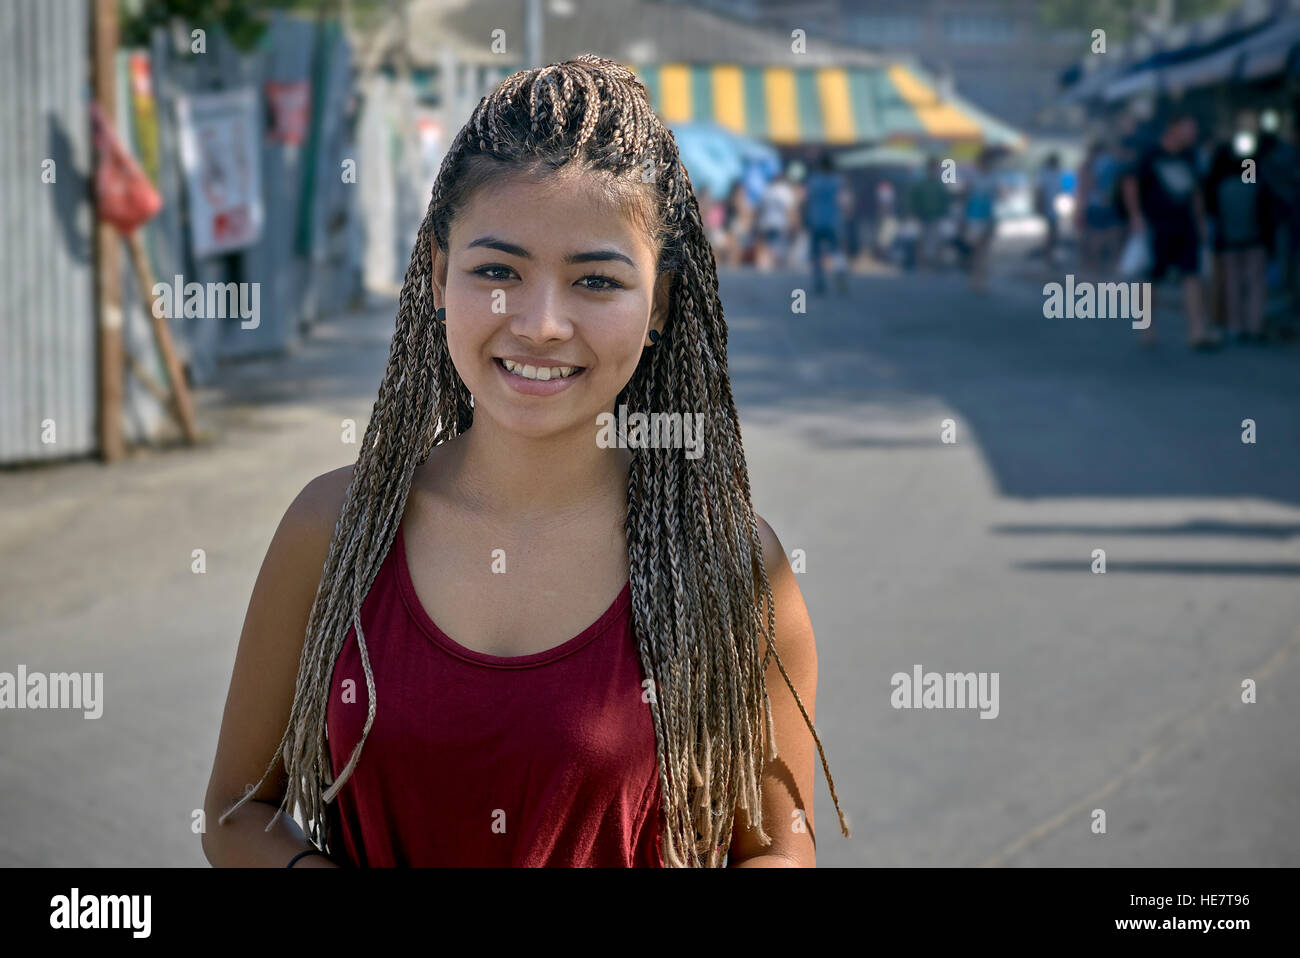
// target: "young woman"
[[502, 637]]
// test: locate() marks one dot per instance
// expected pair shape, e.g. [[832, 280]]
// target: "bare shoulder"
[[794, 634], [773, 553], [301, 543], [321, 500]]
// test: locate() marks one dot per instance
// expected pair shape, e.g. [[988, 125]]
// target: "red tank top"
[[480, 760]]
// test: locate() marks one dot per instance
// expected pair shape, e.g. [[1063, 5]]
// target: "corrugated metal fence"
[[47, 320]]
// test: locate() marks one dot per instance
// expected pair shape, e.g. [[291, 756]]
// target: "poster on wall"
[[290, 111], [219, 154]]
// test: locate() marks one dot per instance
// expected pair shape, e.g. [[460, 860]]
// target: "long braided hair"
[[700, 593]]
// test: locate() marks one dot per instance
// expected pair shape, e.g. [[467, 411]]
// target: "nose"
[[542, 318]]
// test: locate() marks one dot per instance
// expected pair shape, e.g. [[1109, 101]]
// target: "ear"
[[660, 303]]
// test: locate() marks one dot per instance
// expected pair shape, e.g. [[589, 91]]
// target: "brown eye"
[[599, 277]]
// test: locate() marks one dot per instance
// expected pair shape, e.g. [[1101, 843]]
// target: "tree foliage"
[[243, 21]]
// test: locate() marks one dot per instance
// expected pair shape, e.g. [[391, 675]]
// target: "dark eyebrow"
[[594, 256]]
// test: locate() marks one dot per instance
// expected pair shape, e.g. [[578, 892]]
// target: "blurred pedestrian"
[[886, 218], [1279, 177], [797, 250], [1164, 205], [1047, 187], [1239, 218], [739, 226], [776, 221], [978, 222], [927, 203], [850, 212], [1099, 206], [823, 217], [713, 214]]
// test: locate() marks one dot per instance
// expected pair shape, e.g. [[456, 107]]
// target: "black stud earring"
[[654, 336], [440, 314]]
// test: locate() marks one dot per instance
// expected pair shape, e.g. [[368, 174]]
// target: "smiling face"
[[550, 292]]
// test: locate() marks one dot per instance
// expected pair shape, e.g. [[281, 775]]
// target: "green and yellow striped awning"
[[830, 105]]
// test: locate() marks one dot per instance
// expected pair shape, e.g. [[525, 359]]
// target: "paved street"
[[1119, 692]]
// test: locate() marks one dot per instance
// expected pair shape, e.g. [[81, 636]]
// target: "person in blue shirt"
[[979, 223], [824, 219], [1098, 208]]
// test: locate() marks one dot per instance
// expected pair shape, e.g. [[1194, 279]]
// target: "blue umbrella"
[[715, 158]]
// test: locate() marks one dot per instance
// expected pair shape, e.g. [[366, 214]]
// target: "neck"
[[537, 482]]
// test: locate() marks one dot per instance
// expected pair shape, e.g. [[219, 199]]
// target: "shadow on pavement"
[[1059, 407]]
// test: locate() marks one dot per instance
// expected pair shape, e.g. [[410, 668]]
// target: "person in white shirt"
[[775, 222]]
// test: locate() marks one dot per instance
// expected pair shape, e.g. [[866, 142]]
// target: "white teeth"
[[542, 373]]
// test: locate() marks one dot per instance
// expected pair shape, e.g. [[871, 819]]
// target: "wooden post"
[[108, 265], [182, 407]]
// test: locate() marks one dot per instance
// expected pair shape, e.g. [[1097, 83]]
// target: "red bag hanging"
[[125, 196]]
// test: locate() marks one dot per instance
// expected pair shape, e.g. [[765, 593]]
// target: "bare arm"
[[262, 688], [787, 782]]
